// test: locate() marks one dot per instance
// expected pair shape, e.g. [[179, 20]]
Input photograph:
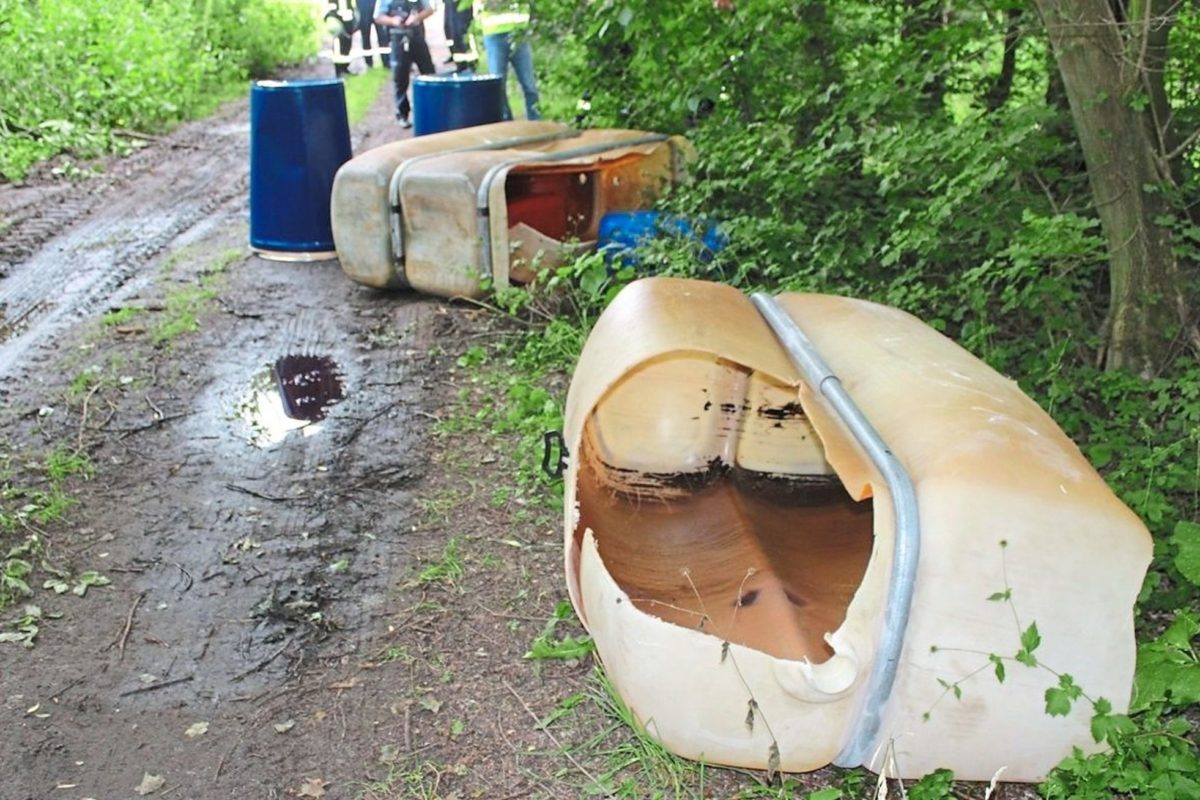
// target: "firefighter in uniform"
[[405, 20]]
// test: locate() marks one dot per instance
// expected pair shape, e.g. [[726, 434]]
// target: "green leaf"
[[1167, 668], [1060, 698], [1000, 596], [1058, 702], [1030, 639], [999, 664], [1110, 727], [828, 793], [1187, 560], [937, 785]]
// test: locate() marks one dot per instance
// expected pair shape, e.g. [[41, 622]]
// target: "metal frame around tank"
[[907, 548], [395, 208]]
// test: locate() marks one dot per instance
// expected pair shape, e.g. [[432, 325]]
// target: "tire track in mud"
[[91, 241]]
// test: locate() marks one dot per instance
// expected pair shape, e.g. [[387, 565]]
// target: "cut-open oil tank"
[[450, 213], [731, 544]]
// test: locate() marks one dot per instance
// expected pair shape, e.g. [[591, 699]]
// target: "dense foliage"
[[924, 155], [76, 75]]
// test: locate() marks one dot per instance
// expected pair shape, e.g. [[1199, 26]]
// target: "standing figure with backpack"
[[505, 27], [405, 20]]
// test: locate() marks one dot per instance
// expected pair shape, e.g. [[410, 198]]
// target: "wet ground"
[[311, 594]]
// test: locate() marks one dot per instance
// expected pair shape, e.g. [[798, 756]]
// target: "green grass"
[[363, 90], [447, 571]]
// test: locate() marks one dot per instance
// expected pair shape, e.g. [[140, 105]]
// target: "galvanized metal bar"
[[907, 548], [395, 209]]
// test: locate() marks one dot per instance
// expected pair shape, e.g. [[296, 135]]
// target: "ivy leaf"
[[996, 597], [999, 664]]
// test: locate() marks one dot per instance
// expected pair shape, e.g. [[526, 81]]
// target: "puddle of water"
[[293, 394]]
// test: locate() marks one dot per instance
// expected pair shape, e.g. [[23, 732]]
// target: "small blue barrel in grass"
[[299, 136], [458, 100]]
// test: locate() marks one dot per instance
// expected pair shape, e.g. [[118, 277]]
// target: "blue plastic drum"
[[458, 100], [299, 137]]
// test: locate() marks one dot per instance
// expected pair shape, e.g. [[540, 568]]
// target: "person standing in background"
[[341, 18], [405, 20], [505, 28], [366, 22], [458, 15]]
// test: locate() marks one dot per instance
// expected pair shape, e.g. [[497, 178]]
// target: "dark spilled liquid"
[[308, 385], [764, 561], [294, 393]]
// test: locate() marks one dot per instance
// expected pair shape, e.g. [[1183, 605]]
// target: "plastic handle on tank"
[[906, 555], [549, 440]]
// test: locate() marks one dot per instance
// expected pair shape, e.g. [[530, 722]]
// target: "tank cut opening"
[[554, 210], [759, 544]]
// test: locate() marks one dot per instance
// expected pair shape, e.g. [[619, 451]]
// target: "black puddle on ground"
[[293, 394]]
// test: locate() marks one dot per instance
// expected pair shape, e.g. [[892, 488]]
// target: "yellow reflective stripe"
[[503, 22]]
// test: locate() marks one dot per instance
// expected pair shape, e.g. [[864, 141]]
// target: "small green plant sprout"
[[1059, 698], [119, 316], [447, 571], [26, 627], [78, 587], [546, 646], [13, 578]]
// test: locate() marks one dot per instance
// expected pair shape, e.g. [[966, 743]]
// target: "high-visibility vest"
[[502, 16]]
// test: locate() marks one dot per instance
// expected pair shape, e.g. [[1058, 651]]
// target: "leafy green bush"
[[77, 74]]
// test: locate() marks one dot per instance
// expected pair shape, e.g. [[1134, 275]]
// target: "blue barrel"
[[458, 100], [299, 136]]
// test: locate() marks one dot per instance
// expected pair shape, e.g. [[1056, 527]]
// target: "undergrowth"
[[87, 78], [1143, 435]]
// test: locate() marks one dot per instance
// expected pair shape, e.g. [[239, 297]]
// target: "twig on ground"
[[123, 636], [83, 415], [260, 665], [154, 687], [233, 487], [158, 412], [156, 423]]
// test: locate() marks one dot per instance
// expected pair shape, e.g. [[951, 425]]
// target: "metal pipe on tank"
[[907, 548]]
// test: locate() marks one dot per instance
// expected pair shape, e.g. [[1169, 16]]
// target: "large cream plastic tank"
[[449, 213], [728, 541]]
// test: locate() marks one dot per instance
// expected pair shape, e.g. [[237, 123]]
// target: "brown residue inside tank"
[[767, 561]]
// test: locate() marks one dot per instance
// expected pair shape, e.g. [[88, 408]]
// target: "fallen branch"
[[233, 487], [129, 625], [156, 686]]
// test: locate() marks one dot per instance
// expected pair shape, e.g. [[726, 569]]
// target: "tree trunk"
[[1001, 88], [1147, 307]]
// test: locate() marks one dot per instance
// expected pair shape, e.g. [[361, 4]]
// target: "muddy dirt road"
[[334, 608]]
